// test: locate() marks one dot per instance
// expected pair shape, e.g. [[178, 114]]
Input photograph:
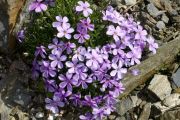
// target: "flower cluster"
[[41, 5], [85, 76]]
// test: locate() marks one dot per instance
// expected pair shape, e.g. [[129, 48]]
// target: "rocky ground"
[[152, 95]]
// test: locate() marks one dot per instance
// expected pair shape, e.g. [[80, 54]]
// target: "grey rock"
[[165, 18], [176, 78], [160, 25], [39, 115], [136, 101], [172, 101], [153, 10], [124, 105], [160, 86], [145, 112], [171, 115], [130, 2]]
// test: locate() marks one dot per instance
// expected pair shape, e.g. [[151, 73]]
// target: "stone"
[[160, 86], [165, 56], [130, 2], [168, 7], [171, 115], [160, 25], [39, 115], [172, 101], [153, 10], [145, 112], [165, 18], [157, 3], [136, 101], [124, 105], [176, 78]]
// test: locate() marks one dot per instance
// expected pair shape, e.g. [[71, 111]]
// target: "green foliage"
[[40, 31]]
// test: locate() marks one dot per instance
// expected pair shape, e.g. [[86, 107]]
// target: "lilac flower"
[[56, 46], [72, 65], [93, 59], [67, 81], [89, 101], [21, 36], [60, 21], [108, 82], [118, 70], [40, 51], [100, 113], [76, 99], [57, 59], [82, 33], [87, 24], [38, 6], [50, 85], [79, 53], [54, 104], [115, 32], [118, 89], [134, 55], [83, 82], [65, 31], [63, 95], [84, 7], [81, 72], [135, 72], [141, 34], [87, 116], [152, 45], [47, 70], [69, 46]]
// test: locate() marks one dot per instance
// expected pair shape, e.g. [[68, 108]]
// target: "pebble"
[[130, 2], [165, 18], [153, 10], [145, 112], [39, 115], [160, 86], [172, 101], [160, 25], [176, 78]]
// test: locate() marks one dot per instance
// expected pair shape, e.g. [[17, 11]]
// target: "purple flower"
[[93, 59], [152, 45], [57, 59], [87, 24], [60, 21], [76, 99], [89, 101], [134, 55], [119, 88], [35, 69], [108, 82], [118, 70], [83, 82], [65, 31], [67, 81], [40, 51], [56, 46], [81, 72], [62, 94], [84, 7], [50, 85], [87, 116], [21, 36], [69, 46], [79, 53], [38, 6], [141, 34], [115, 32], [47, 70], [72, 65], [100, 113], [54, 104]]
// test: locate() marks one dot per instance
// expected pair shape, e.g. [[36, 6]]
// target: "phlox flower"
[[152, 45], [65, 31], [38, 6], [60, 21], [47, 70], [84, 7]]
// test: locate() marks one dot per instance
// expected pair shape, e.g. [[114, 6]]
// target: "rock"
[[153, 10], [39, 115], [136, 101], [171, 115], [176, 78], [165, 18], [161, 107], [172, 101], [145, 112], [157, 3], [160, 86], [166, 55], [124, 105], [160, 25], [168, 7], [130, 2]]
